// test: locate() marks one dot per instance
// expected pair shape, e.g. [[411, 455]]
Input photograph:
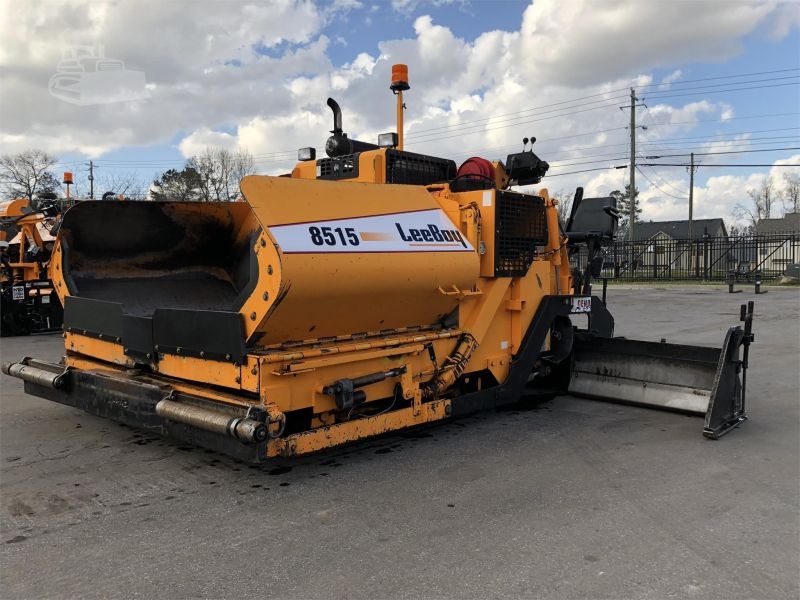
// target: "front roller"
[[691, 379], [150, 406]]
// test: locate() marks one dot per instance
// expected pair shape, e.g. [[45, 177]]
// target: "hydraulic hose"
[[452, 369]]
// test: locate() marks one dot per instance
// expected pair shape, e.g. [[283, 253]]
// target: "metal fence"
[[703, 259]]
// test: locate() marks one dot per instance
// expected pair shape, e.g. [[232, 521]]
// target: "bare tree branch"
[[761, 200], [27, 174], [123, 184], [564, 199], [221, 171], [791, 192]]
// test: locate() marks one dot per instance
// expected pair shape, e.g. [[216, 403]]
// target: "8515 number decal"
[[333, 236]]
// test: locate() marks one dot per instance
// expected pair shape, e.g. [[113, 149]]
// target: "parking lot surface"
[[567, 499]]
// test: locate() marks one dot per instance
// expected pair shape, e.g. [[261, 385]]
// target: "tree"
[[737, 231], [564, 199], [213, 176], [122, 184], [762, 199], [791, 192], [178, 185], [27, 174], [624, 208], [221, 171]]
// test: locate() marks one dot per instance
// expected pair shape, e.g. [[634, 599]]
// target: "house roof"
[[790, 222], [679, 229]]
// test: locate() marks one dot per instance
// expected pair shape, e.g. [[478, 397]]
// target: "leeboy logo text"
[[430, 234]]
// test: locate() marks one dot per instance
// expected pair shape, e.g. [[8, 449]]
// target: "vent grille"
[[341, 167], [417, 169], [521, 226]]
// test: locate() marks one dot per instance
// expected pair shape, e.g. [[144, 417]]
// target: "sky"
[[720, 78]]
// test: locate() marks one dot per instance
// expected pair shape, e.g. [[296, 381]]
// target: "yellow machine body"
[[366, 292], [334, 287], [28, 303], [31, 233], [329, 281]]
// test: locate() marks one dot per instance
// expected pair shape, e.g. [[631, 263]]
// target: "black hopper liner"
[[160, 277], [212, 334]]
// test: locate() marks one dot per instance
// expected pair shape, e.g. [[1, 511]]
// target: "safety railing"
[[704, 258]]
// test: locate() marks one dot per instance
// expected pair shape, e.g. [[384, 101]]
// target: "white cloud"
[[269, 138], [605, 183], [778, 173], [717, 198], [194, 143], [613, 38], [206, 70], [785, 18], [409, 6], [727, 113], [670, 79], [242, 74], [665, 120]]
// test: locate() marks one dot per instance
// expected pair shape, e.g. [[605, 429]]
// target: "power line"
[[603, 156], [609, 101], [582, 171], [279, 156], [755, 87], [730, 152], [700, 87], [606, 100], [726, 145], [788, 114], [662, 180], [544, 142], [716, 165], [480, 129], [697, 137], [685, 81], [643, 174], [141, 164], [616, 98], [588, 162], [598, 131], [738, 140], [747, 142]]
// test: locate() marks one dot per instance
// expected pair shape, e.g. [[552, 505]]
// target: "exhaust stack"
[[339, 144]]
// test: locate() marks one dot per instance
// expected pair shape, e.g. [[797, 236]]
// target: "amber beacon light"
[[399, 85]]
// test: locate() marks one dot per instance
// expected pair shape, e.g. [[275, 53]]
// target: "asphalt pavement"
[[568, 499]]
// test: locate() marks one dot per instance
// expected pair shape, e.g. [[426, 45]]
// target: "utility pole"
[[91, 180], [692, 169], [632, 192]]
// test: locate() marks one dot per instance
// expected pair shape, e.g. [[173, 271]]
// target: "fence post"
[[655, 260]]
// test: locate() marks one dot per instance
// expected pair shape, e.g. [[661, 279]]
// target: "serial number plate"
[[581, 304]]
